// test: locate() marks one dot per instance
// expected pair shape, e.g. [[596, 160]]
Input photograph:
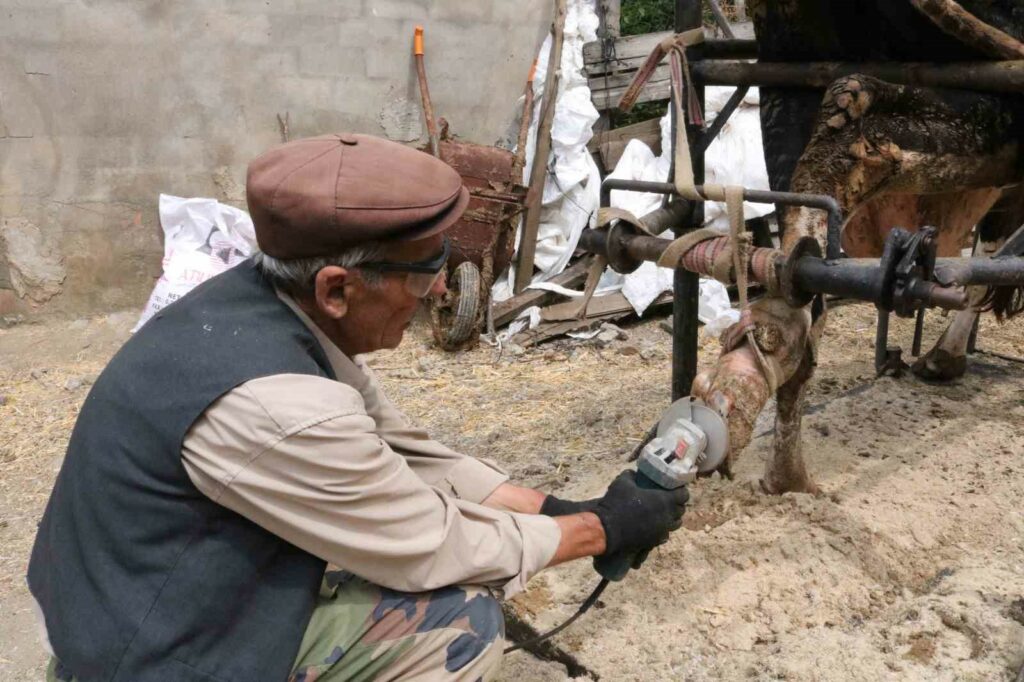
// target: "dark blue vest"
[[140, 577]]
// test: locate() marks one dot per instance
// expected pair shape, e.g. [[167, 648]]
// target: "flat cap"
[[321, 195]]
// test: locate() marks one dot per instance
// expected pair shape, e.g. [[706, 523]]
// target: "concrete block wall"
[[104, 104]]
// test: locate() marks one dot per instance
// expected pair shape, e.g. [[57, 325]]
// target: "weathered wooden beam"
[[508, 310], [603, 99], [538, 174], [627, 49], [631, 51], [610, 144], [610, 15]]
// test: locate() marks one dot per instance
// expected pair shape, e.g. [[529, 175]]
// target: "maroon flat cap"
[[321, 195]]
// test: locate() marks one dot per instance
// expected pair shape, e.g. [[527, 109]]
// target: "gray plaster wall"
[[104, 104]]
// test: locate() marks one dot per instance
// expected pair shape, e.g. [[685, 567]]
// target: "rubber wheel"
[[456, 317]]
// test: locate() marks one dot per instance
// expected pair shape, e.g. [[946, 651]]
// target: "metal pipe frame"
[[727, 48], [833, 248], [709, 135], [720, 18], [689, 14], [855, 278], [1001, 271], [995, 76]]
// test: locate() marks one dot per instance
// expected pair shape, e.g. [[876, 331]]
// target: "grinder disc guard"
[[710, 422]]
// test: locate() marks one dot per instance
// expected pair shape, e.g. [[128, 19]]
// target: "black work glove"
[[554, 506], [637, 515]]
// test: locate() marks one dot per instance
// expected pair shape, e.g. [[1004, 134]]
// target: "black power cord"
[[584, 607]]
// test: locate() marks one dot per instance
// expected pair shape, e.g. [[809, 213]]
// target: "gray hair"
[[299, 274]]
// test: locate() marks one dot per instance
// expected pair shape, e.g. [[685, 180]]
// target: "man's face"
[[375, 316]]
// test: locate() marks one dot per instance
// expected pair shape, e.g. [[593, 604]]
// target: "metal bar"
[[918, 332], [720, 19], [854, 278], [819, 201], [668, 217], [1006, 76], [686, 285], [999, 271], [730, 48], [709, 135]]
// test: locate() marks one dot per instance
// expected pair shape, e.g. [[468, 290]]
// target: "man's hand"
[[629, 518], [636, 517]]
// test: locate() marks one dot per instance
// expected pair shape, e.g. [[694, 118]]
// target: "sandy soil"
[[909, 567]]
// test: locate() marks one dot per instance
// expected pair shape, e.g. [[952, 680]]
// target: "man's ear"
[[334, 286]]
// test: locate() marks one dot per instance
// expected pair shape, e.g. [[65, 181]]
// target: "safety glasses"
[[421, 276]]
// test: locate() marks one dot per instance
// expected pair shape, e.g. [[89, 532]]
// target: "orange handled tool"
[[428, 108], [417, 41]]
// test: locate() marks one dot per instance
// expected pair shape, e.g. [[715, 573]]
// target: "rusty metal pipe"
[[1005, 76], [668, 217], [819, 201], [720, 18], [729, 48], [855, 278], [1001, 271]]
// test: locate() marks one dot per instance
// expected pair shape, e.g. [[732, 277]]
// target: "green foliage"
[[647, 16], [640, 113]]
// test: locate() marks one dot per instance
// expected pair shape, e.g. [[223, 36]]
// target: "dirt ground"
[[909, 567]]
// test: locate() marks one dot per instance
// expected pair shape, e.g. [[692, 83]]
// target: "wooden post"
[[611, 14], [538, 173]]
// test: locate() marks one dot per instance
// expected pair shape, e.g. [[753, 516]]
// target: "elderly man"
[[237, 445]]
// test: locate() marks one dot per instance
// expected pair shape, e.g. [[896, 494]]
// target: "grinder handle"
[[615, 567]]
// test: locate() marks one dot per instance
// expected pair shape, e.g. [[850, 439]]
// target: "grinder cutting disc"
[[710, 422]]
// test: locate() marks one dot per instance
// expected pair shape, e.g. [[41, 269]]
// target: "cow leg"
[[738, 389], [785, 471], [947, 360], [853, 156]]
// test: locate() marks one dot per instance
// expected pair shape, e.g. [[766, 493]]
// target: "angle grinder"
[[691, 439]]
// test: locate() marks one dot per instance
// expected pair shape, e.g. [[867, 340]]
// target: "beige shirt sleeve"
[[300, 456], [465, 477]]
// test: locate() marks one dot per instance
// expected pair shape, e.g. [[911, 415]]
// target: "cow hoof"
[[777, 487], [940, 365]]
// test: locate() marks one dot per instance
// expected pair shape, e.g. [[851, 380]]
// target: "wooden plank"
[[599, 306], [610, 153], [609, 99], [603, 309], [619, 65], [538, 174], [549, 330], [626, 48], [610, 14], [508, 310], [626, 133], [624, 78], [610, 144]]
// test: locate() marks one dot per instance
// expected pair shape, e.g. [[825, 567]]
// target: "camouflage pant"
[[360, 631]]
